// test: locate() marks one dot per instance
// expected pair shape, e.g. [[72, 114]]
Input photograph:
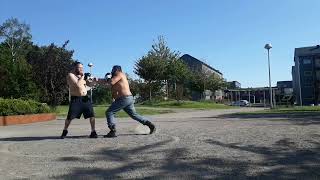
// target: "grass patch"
[[185, 104], [100, 111]]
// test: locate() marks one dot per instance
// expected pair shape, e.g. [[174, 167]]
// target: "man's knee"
[[109, 113]]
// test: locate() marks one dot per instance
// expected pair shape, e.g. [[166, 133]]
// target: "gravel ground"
[[205, 144]]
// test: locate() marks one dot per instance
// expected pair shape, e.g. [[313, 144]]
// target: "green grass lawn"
[[185, 104], [100, 111], [151, 108]]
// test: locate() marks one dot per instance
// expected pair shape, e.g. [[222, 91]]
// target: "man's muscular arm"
[[117, 77], [76, 81]]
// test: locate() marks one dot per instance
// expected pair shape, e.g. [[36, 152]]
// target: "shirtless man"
[[123, 99], [80, 103]]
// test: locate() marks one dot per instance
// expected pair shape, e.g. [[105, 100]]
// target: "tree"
[[51, 65], [153, 66], [202, 81], [151, 70], [198, 82], [101, 95], [16, 77], [215, 82], [162, 52], [178, 74], [15, 35]]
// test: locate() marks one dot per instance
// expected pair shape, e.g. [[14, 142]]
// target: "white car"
[[240, 103]]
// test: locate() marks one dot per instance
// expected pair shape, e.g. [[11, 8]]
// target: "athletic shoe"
[[93, 134], [64, 134]]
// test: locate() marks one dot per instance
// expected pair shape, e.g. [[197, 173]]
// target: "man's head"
[[78, 68], [115, 69]]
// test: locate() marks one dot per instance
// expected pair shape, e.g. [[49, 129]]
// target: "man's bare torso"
[[77, 85], [121, 88]]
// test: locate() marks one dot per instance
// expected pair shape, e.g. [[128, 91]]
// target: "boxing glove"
[[108, 76], [86, 76]]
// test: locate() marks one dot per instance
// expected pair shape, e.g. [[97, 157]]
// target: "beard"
[[77, 72]]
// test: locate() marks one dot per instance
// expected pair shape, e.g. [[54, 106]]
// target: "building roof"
[[310, 50], [189, 57]]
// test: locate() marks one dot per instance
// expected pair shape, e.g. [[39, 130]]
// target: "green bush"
[[20, 107]]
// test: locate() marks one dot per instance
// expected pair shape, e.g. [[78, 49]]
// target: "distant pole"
[[274, 98], [264, 97], [268, 47], [239, 97], [249, 99]]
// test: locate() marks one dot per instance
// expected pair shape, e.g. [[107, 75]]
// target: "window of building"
[[308, 84], [317, 62], [306, 61], [307, 73], [318, 75]]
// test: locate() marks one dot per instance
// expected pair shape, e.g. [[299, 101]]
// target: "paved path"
[[188, 145]]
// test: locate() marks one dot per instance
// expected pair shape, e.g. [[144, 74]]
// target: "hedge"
[[21, 107]]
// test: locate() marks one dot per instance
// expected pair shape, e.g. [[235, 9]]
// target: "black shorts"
[[80, 105]]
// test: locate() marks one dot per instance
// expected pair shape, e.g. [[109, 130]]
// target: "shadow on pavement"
[[284, 160], [39, 138], [299, 118], [32, 138]]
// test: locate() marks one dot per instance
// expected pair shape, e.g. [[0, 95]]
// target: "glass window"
[[308, 84], [306, 61], [318, 75], [317, 62], [308, 73]]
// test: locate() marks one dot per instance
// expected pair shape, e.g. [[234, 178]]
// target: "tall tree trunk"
[[150, 88], [167, 89], [178, 92]]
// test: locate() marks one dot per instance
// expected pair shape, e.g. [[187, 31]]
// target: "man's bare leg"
[[92, 123], [93, 130], [66, 124], [65, 129]]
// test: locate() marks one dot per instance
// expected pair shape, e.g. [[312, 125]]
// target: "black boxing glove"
[[86, 76], [108, 76]]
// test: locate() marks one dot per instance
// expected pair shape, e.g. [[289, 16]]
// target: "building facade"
[[196, 65], [234, 85], [306, 75]]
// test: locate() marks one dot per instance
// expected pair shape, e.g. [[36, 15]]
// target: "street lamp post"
[[268, 47], [249, 98], [90, 66]]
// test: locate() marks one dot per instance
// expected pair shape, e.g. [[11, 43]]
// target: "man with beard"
[[80, 103]]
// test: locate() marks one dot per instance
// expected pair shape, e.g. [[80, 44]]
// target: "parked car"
[[240, 103]]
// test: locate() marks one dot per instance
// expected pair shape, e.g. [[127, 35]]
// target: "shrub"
[[20, 107]]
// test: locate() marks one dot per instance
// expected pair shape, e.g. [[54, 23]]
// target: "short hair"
[[76, 63], [116, 68]]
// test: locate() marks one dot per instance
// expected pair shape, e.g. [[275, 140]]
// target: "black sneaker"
[[93, 134], [111, 134], [151, 126], [64, 134]]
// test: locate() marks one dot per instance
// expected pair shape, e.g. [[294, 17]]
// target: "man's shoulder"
[[122, 74], [119, 74], [70, 74]]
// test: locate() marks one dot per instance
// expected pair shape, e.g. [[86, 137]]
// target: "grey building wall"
[[196, 65], [306, 75]]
